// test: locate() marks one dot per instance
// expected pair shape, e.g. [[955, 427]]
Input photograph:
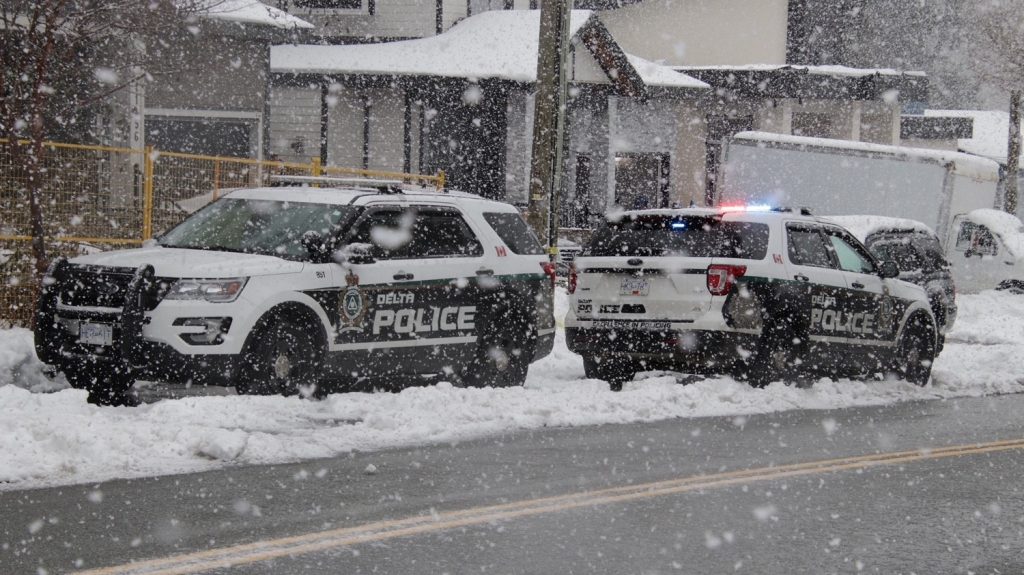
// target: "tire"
[[773, 359], [916, 351], [504, 350], [283, 356], [614, 370], [106, 384]]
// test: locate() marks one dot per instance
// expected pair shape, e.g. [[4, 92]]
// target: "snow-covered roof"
[[662, 76], [991, 132], [830, 70], [250, 12], [965, 164], [863, 226], [500, 44]]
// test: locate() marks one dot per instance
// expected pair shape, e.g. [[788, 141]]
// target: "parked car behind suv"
[[281, 290], [759, 293], [917, 253]]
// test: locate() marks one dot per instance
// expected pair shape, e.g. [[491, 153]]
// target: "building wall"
[[294, 123], [209, 71], [702, 32], [391, 19], [689, 157]]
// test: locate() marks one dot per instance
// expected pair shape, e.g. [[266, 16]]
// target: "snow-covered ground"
[[50, 437]]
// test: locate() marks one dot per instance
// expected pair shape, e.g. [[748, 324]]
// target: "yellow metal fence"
[[99, 197]]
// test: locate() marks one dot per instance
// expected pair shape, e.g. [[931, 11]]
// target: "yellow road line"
[[383, 530]]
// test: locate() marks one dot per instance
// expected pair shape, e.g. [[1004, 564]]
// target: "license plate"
[[633, 325], [96, 334], [634, 286]]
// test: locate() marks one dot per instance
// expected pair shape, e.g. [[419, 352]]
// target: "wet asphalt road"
[[951, 515]]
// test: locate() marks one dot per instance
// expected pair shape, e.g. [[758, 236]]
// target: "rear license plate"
[[96, 334], [634, 286], [637, 325]]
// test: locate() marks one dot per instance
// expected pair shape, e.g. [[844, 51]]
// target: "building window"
[[812, 124]]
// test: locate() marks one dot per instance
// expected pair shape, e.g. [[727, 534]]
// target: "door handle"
[[484, 272], [857, 285], [801, 277], [402, 276]]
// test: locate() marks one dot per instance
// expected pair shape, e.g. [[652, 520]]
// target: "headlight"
[[218, 291]]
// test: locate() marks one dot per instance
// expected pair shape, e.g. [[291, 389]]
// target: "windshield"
[[270, 227]]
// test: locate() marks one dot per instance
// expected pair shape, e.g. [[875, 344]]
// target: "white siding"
[[345, 130], [453, 11], [387, 126], [702, 32], [295, 123], [391, 19]]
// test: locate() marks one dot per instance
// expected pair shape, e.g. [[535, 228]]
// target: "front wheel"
[[283, 357], [106, 384], [916, 352]]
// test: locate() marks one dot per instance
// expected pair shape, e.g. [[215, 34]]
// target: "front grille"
[[101, 286], [89, 286]]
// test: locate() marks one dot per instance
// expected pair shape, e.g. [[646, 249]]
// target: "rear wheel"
[[615, 370], [916, 351], [283, 357], [504, 350]]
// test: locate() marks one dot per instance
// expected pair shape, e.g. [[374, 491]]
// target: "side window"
[[852, 258], [963, 236], [514, 232], [807, 247], [387, 230], [982, 241], [443, 233]]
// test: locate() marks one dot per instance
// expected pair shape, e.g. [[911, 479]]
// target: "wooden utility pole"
[[1012, 156], [549, 104]]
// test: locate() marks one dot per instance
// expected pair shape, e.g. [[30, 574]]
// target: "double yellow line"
[[421, 524]]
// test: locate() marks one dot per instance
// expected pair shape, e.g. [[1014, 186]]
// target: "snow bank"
[[57, 438], [19, 366]]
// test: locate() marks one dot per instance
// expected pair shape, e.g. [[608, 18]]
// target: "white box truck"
[[953, 193]]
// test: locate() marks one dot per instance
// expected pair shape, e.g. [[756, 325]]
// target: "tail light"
[[721, 278], [549, 269], [573, 278]]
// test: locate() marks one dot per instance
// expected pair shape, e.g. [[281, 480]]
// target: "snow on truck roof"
[[249, 12], [963, 164], [863, 226]]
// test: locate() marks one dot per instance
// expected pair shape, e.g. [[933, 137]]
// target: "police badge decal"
[[351, 306]]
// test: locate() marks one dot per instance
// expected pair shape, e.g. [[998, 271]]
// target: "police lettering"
[[396, 298], [837, 321], [425, 320]]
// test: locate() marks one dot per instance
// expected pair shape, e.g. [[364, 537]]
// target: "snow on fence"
[[100, 197]]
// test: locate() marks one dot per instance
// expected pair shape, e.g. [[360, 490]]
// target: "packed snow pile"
[[57, 438]]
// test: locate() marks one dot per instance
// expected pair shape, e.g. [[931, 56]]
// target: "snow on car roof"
[[863, 226], [345, 195], [965, 164]]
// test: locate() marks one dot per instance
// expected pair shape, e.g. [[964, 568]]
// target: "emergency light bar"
[[747, 208]]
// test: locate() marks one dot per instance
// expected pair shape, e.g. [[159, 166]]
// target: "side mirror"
[[356, 254], [315, 247], [888, 269]]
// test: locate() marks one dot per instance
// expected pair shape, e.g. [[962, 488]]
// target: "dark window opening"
[[681, 236]]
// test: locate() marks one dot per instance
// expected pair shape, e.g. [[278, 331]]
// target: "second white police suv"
[[288, 289], [751, 291]]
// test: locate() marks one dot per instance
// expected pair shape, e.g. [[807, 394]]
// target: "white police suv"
[[756, 292], [285, 290]]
